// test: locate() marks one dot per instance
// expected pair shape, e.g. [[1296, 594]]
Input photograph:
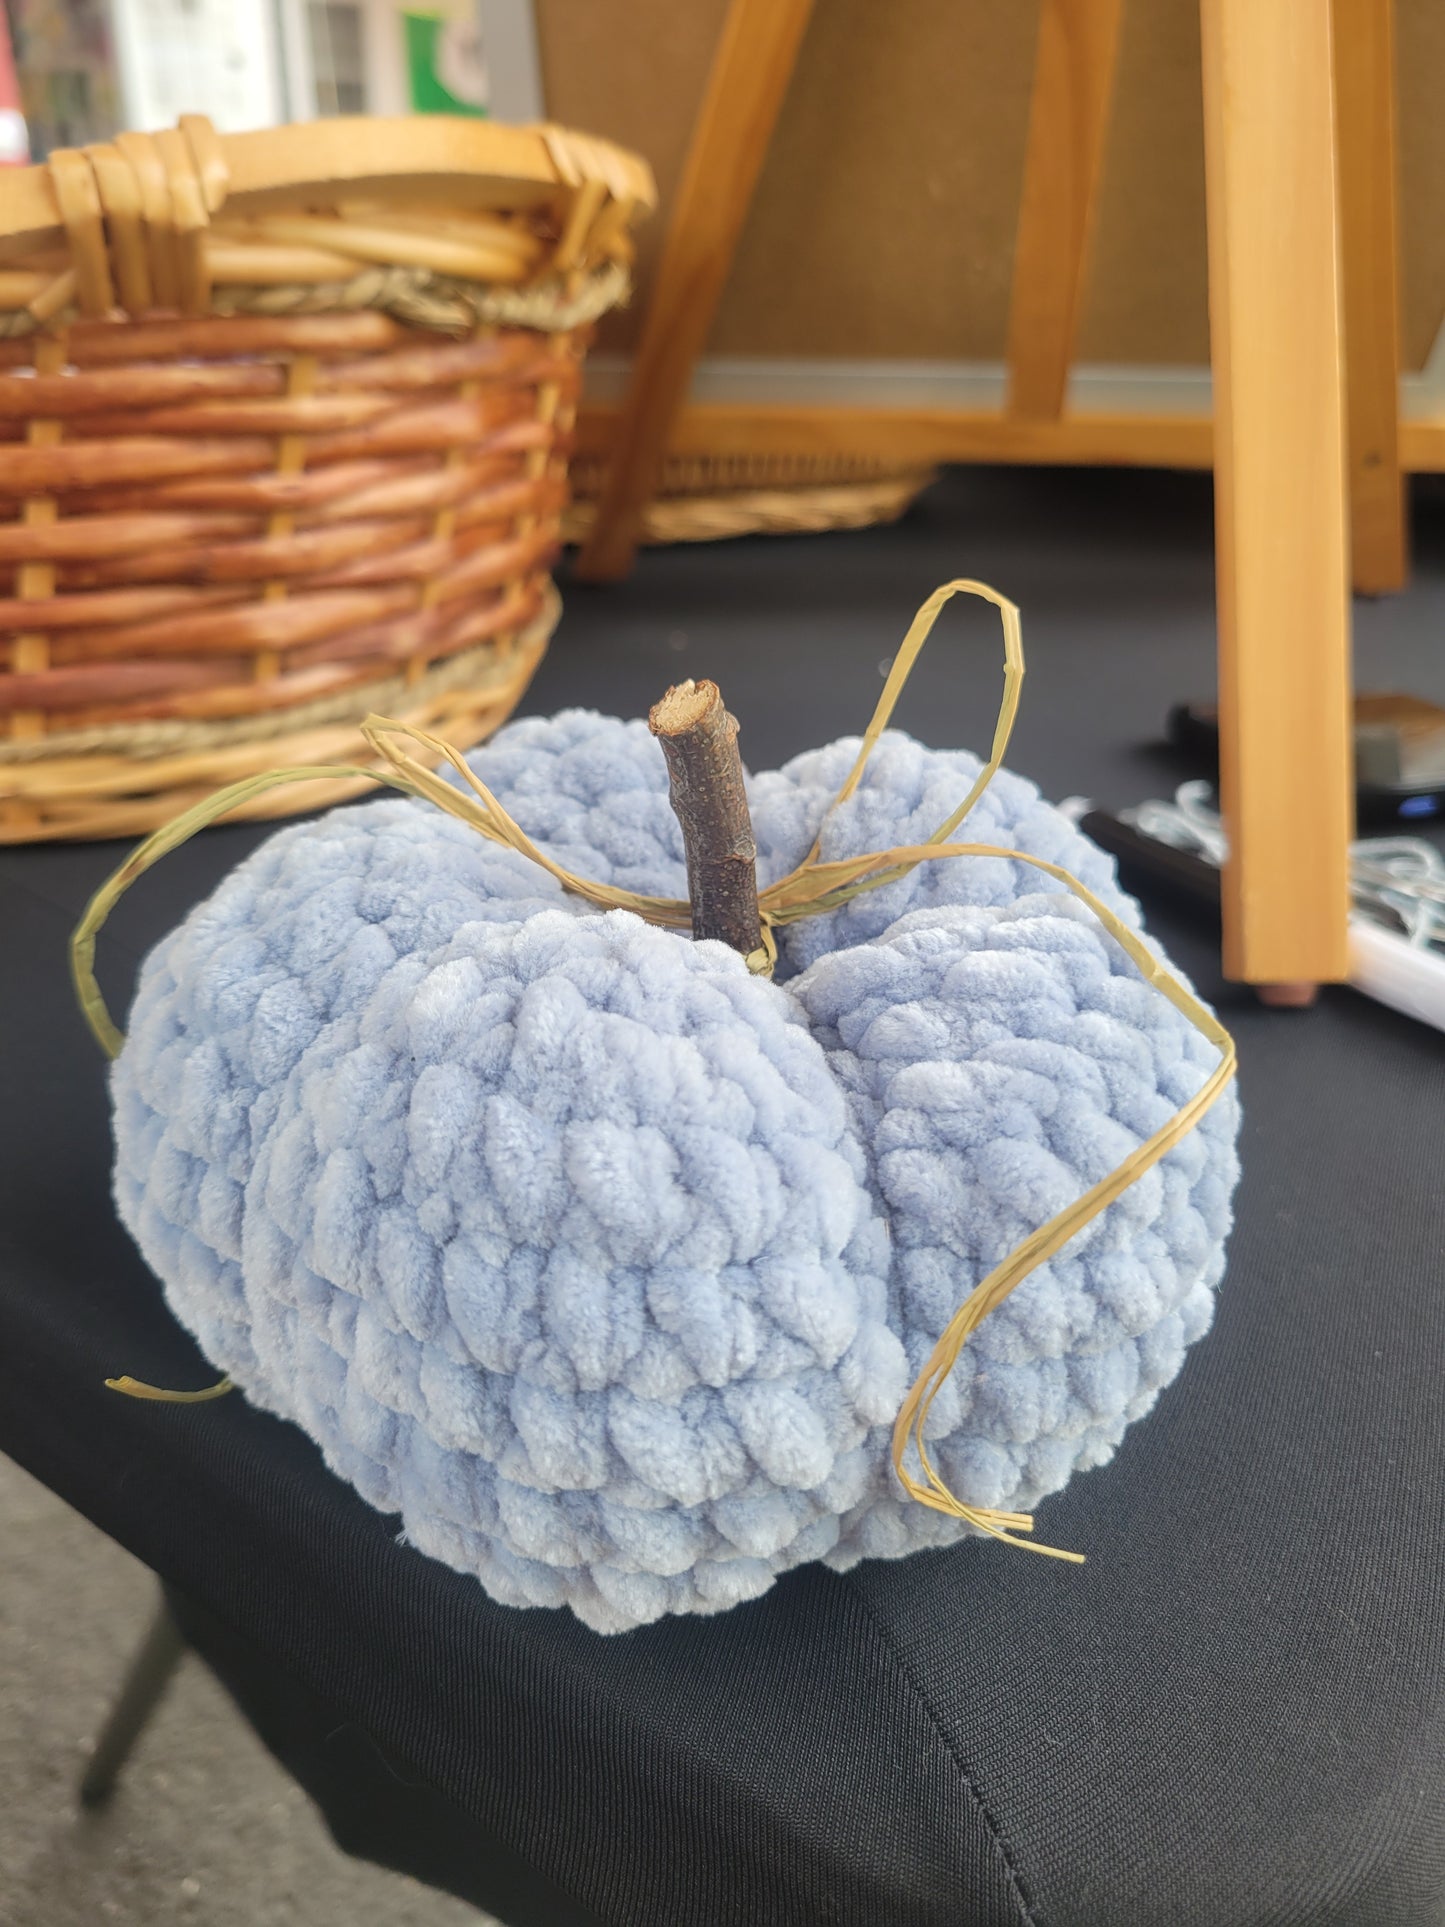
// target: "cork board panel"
[[632, 71], [884, 220], [1146, 299], [883, 226]]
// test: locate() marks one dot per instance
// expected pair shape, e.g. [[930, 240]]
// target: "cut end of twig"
[[684, 707]]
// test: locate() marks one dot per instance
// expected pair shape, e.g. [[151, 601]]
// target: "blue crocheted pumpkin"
[[607, 1264]]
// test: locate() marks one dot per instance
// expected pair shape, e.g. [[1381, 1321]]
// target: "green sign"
[[445, 71]]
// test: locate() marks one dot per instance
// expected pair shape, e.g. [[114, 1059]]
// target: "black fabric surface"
[[1234, 1714]]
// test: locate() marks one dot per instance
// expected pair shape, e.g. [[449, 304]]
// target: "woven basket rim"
[[452, 157], [410, 216]]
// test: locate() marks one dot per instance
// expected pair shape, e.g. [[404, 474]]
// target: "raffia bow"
[[812, 889]]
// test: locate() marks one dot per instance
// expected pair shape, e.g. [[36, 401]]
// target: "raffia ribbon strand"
[[812, 889], [160, 1395]]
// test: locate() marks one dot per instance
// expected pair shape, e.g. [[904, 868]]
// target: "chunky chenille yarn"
[[607, 1264]]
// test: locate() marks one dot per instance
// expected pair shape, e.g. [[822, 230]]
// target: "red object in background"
[[14, 135]]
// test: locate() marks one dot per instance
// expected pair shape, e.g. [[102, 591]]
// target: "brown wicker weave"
[[691, 506], [289, 416]]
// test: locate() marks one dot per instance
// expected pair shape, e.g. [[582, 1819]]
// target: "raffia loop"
[[814, 888], [483, 812]]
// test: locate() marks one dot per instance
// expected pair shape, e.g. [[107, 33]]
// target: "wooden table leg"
[[1364, 33], [745, 89], [150, 1671], [1068, 120], [1279, 466]]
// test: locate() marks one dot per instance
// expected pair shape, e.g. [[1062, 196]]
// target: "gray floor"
[[204, 1827]]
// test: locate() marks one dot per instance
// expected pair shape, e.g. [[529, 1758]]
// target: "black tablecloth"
[[1234, 1713]]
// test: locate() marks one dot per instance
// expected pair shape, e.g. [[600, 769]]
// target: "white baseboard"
[[745, 380]]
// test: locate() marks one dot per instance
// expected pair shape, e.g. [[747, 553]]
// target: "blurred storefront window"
[[87, 68], [66, 64]]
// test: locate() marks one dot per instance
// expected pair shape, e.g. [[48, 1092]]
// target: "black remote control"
[[1144, 861]]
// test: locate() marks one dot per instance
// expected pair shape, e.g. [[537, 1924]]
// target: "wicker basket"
[[709, 498], [290, 416]]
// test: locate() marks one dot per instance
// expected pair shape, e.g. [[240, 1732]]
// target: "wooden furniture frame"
[[1303, 250]]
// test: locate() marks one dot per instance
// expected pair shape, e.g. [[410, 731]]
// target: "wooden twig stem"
[[700, 741]]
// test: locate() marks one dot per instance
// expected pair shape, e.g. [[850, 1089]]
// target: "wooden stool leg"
[[1279, 466], [1369, 251], [749, 78]]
